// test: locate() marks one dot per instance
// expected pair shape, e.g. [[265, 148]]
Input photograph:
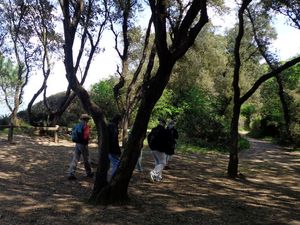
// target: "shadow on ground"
[[34, 188]]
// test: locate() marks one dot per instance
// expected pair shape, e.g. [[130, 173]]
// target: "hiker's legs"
[[86, 160], [139, 162], [115, 161], [161, 162], [75, 159], [156, 158]]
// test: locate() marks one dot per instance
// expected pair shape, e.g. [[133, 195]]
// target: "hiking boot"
[[159, 178], [72, 177], [152, 176]]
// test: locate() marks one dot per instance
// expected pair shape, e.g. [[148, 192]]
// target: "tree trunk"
[[234, 139], [30, 104], [285, 108], [117, 189], [125, 128], [10, 133], [232, 169], [103, 161]]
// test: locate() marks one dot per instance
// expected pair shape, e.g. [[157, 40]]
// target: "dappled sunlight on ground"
[[34, 188]]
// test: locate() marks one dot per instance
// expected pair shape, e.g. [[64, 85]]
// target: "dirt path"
[[34, 189]]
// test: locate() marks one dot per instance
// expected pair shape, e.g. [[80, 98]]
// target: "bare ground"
[[34, 188]]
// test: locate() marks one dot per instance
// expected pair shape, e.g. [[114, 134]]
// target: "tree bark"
[[232, 169], [116, 191], [285, 108]]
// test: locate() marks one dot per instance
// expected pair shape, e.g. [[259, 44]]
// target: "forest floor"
[[34, 188]]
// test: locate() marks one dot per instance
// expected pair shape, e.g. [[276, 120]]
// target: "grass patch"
[[200, 146], [192, 147], [243, 144]]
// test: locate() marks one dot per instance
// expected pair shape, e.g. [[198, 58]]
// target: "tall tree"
[[42, 18], [155, 81], [19, 47], [191, 20], [122, 14], [238, 100], [260, 21], [8, 79]]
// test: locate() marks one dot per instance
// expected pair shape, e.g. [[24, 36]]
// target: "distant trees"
[[8, 81], [272, 121], [19, 48], [49, 41], [102, 93], [238, 97]]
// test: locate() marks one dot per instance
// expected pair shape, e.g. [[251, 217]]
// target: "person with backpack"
[[157, 140], [81, 135], [172, 137]]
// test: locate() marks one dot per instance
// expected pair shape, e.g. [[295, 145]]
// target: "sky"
[[287, 45]]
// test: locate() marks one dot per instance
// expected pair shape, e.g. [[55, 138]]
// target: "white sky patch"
[[287, 42]]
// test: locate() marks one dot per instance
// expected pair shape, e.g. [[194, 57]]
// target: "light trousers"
[[160, 163], [80, 149]]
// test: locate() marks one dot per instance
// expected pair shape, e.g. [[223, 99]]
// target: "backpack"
[[153, 138], [77, 133]]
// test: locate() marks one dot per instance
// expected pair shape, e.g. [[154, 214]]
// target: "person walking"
[[138, 166], [157, 143], [172, 137], [81, 135], [114, 152]]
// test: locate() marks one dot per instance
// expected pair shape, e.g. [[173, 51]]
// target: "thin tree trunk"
[[232, 169], [10, 137], [285, 108], [125, 129]]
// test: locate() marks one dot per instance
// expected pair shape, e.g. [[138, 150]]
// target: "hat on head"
[[85, 117]]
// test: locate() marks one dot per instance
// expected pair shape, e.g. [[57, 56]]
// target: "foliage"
[[8, 79], [247, 111], [199, 119], [4, 120], [102, 94], [203, 100], [165, 108], [270, 121], [288, 8], [40, 115]]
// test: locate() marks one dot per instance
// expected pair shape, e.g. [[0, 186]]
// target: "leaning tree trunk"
[[117, 189]]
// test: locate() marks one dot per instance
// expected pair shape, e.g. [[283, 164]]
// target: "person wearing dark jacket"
[[114, 148], [172, 137], [157, 140]]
